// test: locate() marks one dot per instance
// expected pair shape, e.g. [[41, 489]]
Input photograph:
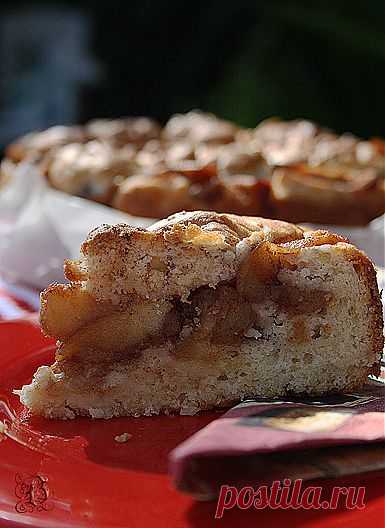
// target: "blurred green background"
[[243, 60]]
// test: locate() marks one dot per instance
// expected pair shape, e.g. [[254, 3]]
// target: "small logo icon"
[[32, 493]]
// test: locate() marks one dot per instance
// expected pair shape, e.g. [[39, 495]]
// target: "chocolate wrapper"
[[260, 441]]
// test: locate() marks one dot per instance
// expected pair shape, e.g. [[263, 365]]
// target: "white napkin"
[[40, 227]]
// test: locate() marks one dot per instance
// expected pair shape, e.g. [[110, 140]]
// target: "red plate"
[[80, 476]]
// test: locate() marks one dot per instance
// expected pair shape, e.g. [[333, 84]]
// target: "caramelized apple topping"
[[315, 238], [296, 301], [219, 316], [261, 268], [118, 331], [66, 309], [258, 277]]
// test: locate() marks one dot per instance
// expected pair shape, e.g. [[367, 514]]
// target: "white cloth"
[[40, 227]]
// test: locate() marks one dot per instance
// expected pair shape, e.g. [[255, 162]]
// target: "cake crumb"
[[121, 439], [2, 430], [253, 332]]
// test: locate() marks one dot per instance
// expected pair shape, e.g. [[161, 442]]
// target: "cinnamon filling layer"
[[94, 331], [222, 317]]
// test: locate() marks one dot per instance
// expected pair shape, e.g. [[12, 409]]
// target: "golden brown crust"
[[367, 273], [179, 228], [74, 271], [237, 227], [315, 238], [106, 234]]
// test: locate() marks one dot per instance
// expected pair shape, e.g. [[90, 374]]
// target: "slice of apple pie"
[[202, 310]]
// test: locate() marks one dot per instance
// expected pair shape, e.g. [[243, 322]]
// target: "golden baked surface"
[[296, 170]]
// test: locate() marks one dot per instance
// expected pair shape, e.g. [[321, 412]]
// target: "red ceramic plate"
[[80, 476]]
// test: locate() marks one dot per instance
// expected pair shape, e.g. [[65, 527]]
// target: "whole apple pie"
[[203, 310], [295, 171]]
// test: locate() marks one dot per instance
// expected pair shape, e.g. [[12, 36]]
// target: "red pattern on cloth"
[[14, 308]]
